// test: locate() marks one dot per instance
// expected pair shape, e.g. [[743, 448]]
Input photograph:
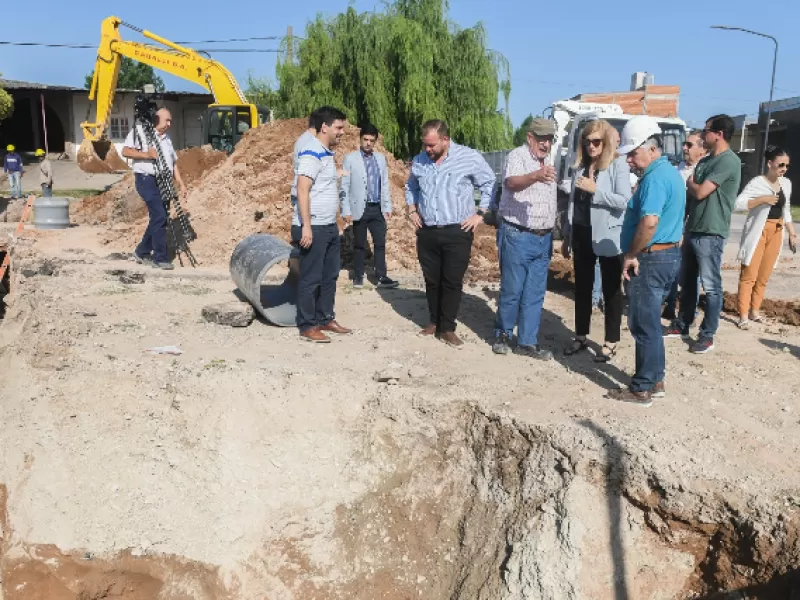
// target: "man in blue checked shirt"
[[441, 205]]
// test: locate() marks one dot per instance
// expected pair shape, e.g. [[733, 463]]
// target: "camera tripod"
[[179, 229]]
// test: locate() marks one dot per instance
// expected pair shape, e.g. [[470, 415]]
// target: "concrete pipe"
[[51, 213], [251, 261]]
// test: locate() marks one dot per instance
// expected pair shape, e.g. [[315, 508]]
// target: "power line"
[[92, 47]]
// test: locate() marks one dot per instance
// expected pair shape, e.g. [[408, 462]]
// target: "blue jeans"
[[702, 255], [319, 269], [15, 184], [524, 258], [645, 293], [672, 298], [155, 236], [47, 191]]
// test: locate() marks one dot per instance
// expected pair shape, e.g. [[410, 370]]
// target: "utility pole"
[[289, 44]]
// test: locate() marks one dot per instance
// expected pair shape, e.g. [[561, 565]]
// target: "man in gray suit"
[[366, 202]]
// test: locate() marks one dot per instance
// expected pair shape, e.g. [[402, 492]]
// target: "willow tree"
[[397, 69], [6, 104]]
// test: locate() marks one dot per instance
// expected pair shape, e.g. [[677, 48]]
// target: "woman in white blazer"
[[767, 200]]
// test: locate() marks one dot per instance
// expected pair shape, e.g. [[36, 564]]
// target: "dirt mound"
[[780, 310], [249, 193], [121, 204]]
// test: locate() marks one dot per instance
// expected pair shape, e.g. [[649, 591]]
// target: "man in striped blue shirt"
[[441, 205]]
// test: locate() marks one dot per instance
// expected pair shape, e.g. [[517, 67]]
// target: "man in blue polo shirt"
[[650, 239]]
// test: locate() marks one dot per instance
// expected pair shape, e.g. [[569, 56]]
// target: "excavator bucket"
[[100, 157]]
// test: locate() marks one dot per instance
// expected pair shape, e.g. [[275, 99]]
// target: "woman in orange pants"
[[767, 199]]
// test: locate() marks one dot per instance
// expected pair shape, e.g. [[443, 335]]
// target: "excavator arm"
[[174, 59]]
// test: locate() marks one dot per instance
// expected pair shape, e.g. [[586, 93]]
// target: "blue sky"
[[556, 49]]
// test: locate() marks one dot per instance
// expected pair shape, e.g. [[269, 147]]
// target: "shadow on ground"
[[476, 315]]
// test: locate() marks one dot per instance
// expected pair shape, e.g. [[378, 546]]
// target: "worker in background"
[[650, 239], [711, 192], [366, 204], [441, 205], [315, 232], [526, 216], [12, 164], [153, 247], [693, 151], [45, 173]]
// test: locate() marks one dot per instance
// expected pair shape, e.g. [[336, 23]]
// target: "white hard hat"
[[636, 132]]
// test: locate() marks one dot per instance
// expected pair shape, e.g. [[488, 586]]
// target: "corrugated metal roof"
[[14, 84]]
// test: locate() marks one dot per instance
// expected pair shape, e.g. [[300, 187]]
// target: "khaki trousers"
[[754, 277]]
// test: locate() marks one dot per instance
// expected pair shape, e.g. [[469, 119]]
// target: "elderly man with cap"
[[651, 233], [527, 215]]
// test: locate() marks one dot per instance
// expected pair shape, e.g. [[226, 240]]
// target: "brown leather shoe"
[[658, 391], [451, 339], [334, 327], [428, 330], [644, 399], [315, 335]]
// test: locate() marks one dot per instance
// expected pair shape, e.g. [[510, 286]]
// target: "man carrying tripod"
[[153, 247]]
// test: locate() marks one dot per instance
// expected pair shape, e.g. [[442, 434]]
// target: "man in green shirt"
[[711, 194]]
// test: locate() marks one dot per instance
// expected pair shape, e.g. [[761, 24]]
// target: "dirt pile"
[[121, 206], [249, 193], [780, 310]]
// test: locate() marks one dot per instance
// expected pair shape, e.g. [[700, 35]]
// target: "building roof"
[[782, 105], [14, 84], [24, 86]]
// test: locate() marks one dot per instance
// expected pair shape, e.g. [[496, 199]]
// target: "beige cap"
[[542, 127]]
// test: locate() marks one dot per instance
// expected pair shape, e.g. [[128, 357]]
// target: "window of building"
[[119, 128]]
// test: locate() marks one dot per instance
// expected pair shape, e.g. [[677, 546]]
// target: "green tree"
[[133, 75], [397, 69], [6, 104], [520, 135], [260, 91]]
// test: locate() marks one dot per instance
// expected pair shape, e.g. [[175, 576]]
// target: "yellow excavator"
[[224, 122]]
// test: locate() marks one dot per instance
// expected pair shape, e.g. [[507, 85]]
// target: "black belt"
[[539, 232], [451, 226]]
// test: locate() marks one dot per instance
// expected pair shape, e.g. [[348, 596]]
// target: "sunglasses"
[[783, 165], [688, 145], [593, 141], [705, 131]]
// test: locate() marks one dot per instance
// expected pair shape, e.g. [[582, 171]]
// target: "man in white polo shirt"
[[153, 247], [315, 231]]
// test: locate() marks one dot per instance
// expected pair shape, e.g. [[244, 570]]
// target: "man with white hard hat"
[[651, 234]]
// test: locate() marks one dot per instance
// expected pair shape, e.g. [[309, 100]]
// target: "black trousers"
[[611, 273], [319, 270], [444, 257], [373, 221]]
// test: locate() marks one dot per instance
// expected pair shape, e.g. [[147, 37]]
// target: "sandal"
[[743, 324], [578, 344], [757, 319], [607, 352]]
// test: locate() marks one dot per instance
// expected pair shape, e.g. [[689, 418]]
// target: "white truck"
[[571, 116]]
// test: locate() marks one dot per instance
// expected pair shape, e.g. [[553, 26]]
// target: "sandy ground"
[[241, 452]]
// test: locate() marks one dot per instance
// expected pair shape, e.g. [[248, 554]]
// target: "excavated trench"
[[477, 506], [462, 503]]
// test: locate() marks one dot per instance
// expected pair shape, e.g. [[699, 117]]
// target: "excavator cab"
[[224, 126]]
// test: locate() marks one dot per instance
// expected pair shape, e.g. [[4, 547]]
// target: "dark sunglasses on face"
[[783, 165], [543, 138], [688, 145], [593, 141]]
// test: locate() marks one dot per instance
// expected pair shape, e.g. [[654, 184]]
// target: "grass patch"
[[795, 213]]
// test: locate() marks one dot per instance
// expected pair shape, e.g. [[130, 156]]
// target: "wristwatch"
[[480, 212]]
